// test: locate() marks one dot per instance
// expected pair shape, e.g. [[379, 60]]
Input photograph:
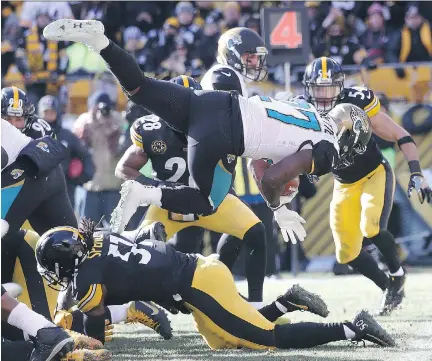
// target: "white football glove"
[[290, 224]]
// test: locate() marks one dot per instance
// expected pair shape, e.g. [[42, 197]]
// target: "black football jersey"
[[166, 148], [37, 128], [372, 157], [148, 271]]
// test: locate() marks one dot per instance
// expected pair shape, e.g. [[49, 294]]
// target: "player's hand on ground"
[[419, 184], [290, 224]]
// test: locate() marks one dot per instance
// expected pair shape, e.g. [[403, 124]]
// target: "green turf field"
[[411, 326]]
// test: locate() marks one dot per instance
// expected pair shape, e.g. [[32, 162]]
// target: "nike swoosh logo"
[[303, 307], [153, 308], [227, 74]]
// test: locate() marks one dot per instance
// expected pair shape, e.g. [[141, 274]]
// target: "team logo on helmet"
[[43, 146], [159, 146], [16, 173]]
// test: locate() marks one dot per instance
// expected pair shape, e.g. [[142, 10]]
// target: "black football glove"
[[418, 183]]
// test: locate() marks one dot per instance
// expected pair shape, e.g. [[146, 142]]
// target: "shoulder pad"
[[362, 97], [226, 79]]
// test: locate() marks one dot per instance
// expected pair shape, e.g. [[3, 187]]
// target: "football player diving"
[[105, 267], [364, 182], [153, 139], [221, 123]]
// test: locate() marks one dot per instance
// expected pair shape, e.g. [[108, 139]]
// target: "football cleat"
[[154, 231], [89, 32], [303, 300], [393, 295], [150, 315], [84, 342], [132, 195], [51, 343], [366, 328], [88, 355]]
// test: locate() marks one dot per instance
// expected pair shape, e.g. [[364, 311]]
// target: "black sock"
[[271, 312], [123, 65], [387, 246], [307, 334], [366, 265], [229, 248], [256, 258]]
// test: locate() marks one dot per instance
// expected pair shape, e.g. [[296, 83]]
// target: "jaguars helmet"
[[237, 42], [323, 81], [354, 132], [187, 82], [58, 254], [14, 103]]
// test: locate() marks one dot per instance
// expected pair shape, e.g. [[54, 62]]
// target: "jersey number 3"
[[311, 121]]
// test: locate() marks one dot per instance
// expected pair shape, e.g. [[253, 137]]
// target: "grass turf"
[[411, 326]]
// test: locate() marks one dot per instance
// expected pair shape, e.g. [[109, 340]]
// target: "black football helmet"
[[323, 81], [58, 254], [237, 42], [187, 82], [15, 104], [354, 132]]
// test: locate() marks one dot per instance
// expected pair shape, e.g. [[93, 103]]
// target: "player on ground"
[[153, 139], [105, 266], [364, 182], [222, 123]]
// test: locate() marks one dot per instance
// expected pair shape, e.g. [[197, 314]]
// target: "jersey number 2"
[[310, 123]]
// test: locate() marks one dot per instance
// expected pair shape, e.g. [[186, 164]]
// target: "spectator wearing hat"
[[316, 12], [375, 39], [134, 42], [414, 42], [146, 15], [78, 166], [336, 43], [101, 128], [231, 16]]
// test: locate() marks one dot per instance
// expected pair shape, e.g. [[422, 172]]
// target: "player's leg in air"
[[208, 141]]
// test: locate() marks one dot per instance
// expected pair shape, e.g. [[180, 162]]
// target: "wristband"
[[414, 167]]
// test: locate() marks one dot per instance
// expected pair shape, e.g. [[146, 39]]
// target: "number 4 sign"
[[285, 33]]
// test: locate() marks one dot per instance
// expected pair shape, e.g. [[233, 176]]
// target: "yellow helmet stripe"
[[64, 228], [324, 67], [185, 81], [15, 97]]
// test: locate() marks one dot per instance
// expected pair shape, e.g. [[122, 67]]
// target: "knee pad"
[[255, 237], [347, 255]]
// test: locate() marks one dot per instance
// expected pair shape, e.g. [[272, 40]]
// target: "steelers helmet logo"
[[159, 146]]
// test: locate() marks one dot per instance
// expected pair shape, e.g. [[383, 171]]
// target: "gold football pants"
[[232, 217], [360, 209], [223, 318]]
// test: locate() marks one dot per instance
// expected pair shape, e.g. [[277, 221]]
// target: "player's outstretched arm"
[[94, 321], [275, 177], [386, 128]]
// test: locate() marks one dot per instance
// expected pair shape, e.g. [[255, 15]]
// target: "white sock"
[[257, 305], [118, 313], [99, 43], [399, 272], [154, 196], [27, 320], [281, 307], [349, 334]]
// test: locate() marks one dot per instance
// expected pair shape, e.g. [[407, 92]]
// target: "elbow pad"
[[324, 155], [42, 155]]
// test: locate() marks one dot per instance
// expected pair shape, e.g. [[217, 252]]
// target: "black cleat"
[[366, 328], [51, 343], [155, 231], [393, 295], [300, 299]]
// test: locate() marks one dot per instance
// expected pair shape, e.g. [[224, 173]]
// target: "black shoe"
[[393, 295], [51, 343], [155, 231], [297, 298], [366, 328]]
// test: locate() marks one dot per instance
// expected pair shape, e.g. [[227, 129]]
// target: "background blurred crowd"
[[171, 38]]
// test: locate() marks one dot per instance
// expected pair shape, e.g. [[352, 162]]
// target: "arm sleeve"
[[94, 326], [135, 134], [90, 299]]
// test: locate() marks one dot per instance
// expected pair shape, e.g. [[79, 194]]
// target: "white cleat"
[[89, 32], [133, 194]]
